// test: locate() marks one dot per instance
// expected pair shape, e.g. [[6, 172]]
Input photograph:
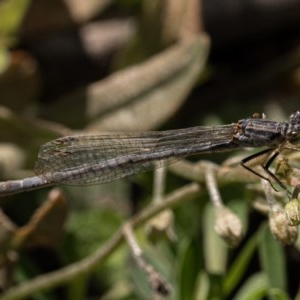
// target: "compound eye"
[[294, 137], [295, 118]]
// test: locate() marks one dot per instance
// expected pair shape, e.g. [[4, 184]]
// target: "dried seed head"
[[229, 226], [292, 212], [281, 229]]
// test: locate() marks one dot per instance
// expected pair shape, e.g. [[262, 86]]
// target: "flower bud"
[[281, 229], [229, 226], [292, 212]]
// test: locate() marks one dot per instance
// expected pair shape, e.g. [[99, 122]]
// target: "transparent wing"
[[93, 159]]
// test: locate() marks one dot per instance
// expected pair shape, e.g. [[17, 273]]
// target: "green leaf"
[[277, 294], [162, 260], [208, 287], [11, 15], [4, 59], [188, 269], [239, 266], [91, 228], [202, 287], [215, 249], [272, 260], [255, 288]]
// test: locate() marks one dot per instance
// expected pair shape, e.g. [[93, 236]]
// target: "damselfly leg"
[[265, 166]]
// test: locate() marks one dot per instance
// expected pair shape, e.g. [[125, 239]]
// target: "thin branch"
[[87, 265], [212, 187], [159, 184], [156, 281]]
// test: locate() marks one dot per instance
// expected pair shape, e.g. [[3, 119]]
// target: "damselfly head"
[[293, 132]]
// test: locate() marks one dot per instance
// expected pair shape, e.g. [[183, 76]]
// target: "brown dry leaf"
[[46, 225], [82, 11], [150, 92], [142, 96], [7, 231], [22, 72], [100, 39]]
